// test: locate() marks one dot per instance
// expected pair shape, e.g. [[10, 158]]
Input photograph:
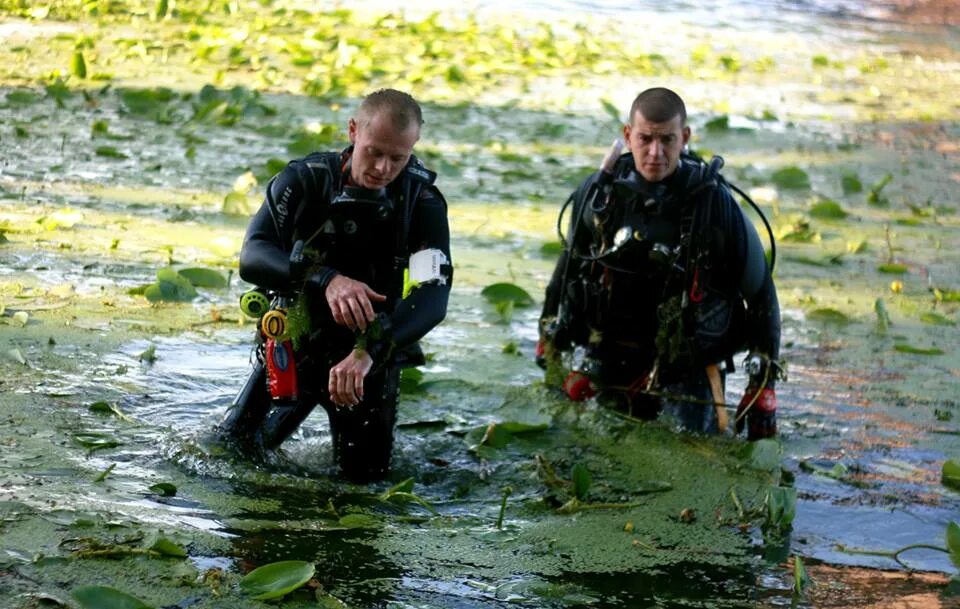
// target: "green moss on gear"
[[670, 339], [298, 321]]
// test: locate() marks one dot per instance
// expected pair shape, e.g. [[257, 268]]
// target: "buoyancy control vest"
[[654, 271]]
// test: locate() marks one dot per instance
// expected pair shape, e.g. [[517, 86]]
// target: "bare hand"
[[346, 378], [350, 302]]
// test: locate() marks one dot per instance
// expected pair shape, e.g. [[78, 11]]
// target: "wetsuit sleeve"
[[577, 237], [426, 305], [265, 254], [747, 261]]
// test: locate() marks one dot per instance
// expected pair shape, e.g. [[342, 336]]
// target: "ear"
[[686, 135], [352, 129], [626, 136]]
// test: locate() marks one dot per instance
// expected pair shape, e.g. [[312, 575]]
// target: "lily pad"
[[935, 319], [907, 348], [951, 474], [828, 316], [164, 489], [104, 597], [581, 478], [892, 268], [828, 209], [204, 278], [507, 292], [953, 542], [277, 579], [791, 178]]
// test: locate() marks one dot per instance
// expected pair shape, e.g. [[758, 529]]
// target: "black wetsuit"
[[684, 285], [364, 242]]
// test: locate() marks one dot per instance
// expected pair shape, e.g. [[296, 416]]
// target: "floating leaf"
[[781, 507], [851, 184], [507, 292], [411, 380], [109, 152], [167, 548], [104, 597], [828, 316], [149, 354], [950, 475], [800, 578], [161, 9], [762, 454], [791, 178], [504, 309], [718, 124], [95, 441], [856, 247], [164, 489], [883, 318], [874, 197], [171, 286], [892, 268], [953, 542], [551, 248], [277, 579], [23, 97], [828, 209], [107, 408], [905, 348], [103, 475], [78, 66], [935, 319], [204, 278], [581, 479]]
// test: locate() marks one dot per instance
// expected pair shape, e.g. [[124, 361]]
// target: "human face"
[[656, 147], [380, 152]]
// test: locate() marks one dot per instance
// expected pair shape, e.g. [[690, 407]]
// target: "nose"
[[382, 166], [655, 149]]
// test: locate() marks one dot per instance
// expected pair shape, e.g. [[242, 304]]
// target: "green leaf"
[[78, 66], [851, 183], [104, 597], [828, 316], [149, 355], [581, 479], [277, 579], [551, 248], [161, 9], [828, 209], [791, 178], [167, 548], [410, 381], [507, 292], [883, 318], [95, 441], [892, 268], [359, 521], [874, 197], [23, 97], [107, 408], [762, 454], [800, 578], [611, 110], [109, 152], [953, 542], [204, 278], [103, 475], [171, 286], [718, 124], [935, 319], [781, 507], [164, 489], [905, 348], [405, 486], [504, 309], [951, 474]]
